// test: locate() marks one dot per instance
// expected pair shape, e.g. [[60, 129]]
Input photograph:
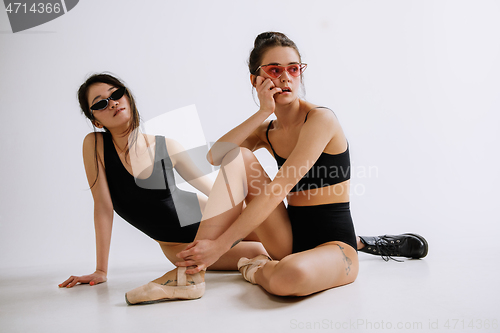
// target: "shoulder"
[[321, 117], [93, 150], [323, 120], [321, 113], [90, 140], [93, 144]]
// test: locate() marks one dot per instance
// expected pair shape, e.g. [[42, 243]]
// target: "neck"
[[120, 137], [290, 115]]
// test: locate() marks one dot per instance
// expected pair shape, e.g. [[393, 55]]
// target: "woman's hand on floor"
[[92, 279], [201, 254]]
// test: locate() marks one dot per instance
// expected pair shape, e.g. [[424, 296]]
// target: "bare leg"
[[329, 265], [275, 232], [240, 179]]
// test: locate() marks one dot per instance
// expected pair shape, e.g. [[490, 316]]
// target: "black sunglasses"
[[103, 103]]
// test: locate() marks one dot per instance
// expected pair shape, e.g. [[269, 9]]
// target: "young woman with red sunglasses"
[[312, 241]]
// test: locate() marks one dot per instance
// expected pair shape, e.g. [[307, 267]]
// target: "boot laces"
[[387, 247]]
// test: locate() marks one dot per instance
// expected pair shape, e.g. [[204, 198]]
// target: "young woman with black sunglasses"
[[132, 173]]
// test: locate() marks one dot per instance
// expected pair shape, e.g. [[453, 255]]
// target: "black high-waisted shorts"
[[315, 225]]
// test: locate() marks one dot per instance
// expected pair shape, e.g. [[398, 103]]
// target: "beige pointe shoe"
[[248, 267], [154, 292]]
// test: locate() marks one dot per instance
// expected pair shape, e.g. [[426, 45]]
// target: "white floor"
[[450, 290]]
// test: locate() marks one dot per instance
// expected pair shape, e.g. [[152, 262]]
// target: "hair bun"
[[265, 36], [264, 42]]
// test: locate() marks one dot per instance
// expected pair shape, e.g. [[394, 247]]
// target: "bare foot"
[[170, 278]]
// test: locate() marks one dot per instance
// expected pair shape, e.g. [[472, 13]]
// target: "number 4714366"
[[36, 8], [473, 324]]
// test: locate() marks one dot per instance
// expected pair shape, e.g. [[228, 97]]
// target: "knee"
[[241, 155], [231, 154], [248, 155], [288, 278]]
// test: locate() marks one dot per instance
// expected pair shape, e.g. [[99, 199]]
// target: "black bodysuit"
[[153, 205]]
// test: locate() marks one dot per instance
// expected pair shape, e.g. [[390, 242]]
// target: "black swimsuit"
[[319, 224], [153, 205]]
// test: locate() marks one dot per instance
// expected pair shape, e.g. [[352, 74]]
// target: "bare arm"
[[103, 214], [244, 135]]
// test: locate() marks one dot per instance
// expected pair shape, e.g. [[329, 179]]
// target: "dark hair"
[[85, 107], [263, 43]]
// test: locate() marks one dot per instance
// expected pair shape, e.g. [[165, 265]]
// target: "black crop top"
[[150, 204], [328, 170]]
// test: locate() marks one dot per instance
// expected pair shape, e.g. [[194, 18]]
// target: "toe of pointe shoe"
[[142, 294], [153, 292]]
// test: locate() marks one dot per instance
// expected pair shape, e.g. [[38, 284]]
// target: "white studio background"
[[415, 85]]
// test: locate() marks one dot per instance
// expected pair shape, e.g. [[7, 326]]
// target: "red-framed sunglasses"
[[275, 71]]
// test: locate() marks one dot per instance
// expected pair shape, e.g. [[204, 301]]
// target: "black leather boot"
[[388, 246]]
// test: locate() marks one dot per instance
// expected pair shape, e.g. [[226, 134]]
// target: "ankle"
[[259, 273], [359, 243]]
